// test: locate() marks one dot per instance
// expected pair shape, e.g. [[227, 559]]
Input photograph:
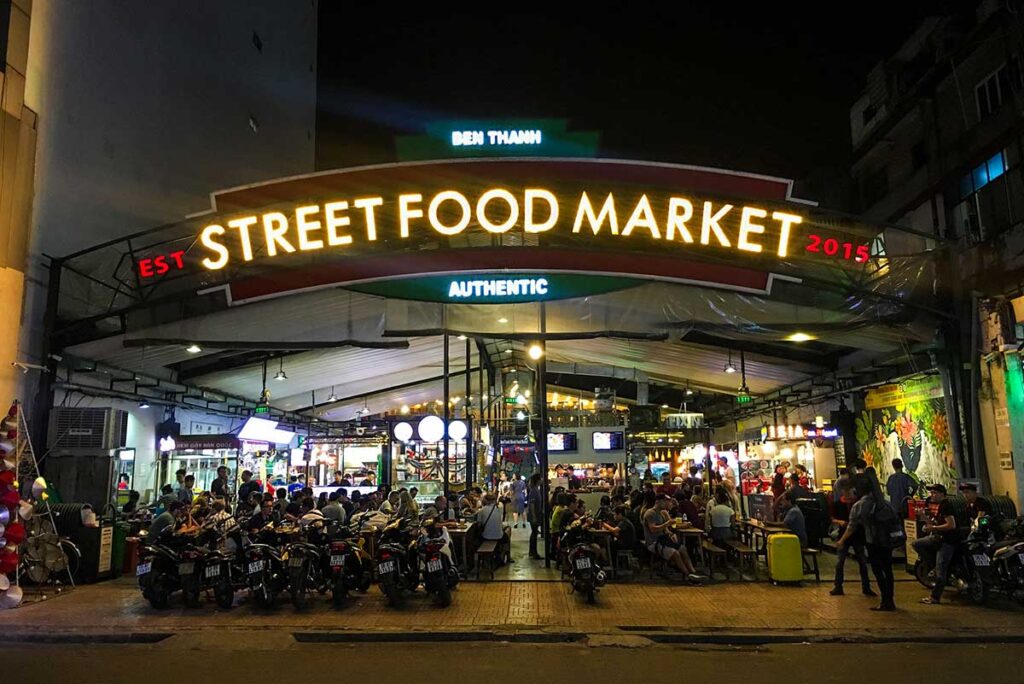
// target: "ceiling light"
[[461, 337], [520, 415], [689, 392], [536, 351], [333, 397], [193, 348], [280, 371], [143, 404], [509, 351], [664, 406], [729, 368], [799, 337], [503, 320], [404, 410]]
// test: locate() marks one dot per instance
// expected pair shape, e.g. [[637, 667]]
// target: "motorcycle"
[[306, 562], [397, 563], [982, 563], [439, 574], [581, 564], [157, 570], [202, 566], [349, 563], [265, 567]]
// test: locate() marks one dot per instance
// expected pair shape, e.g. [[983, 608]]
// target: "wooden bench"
[[812, 555], [711, 554], [486, 553], [745, 554]]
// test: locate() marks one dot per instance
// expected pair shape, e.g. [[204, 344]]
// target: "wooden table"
[[753, 529], [459, 533], [688, 533]]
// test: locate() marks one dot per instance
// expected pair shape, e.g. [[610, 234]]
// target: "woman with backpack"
[[873, 514]]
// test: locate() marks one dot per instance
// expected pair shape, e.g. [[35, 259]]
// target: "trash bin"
[[117, 549]]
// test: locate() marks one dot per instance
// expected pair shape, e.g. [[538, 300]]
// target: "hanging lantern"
[[15, 533], [38, 487], [10, 499], [26, 509], [8, 561], [6, 479], [5, 583]]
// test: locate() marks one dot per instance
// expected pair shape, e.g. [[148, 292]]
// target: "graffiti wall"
[[908, 421]]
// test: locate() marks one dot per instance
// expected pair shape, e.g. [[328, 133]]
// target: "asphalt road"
[[272, 655]]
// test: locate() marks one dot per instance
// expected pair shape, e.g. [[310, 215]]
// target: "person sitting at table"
[[797, 490], [662, 543], [793, 518], [440, 510], [721, 518], [622, 528], [687, 510], [491, 529]]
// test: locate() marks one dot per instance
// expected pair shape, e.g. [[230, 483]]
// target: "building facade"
[[938, 150]]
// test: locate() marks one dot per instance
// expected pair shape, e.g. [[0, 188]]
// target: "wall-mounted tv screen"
[[608, 441], [562, 441]]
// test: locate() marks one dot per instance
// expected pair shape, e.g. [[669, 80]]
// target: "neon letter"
[[459, 199], [643, 217], [679, 212], [607, 211], [207, 238], [243, 224], [405, 212], [747, 226], [367, 204], [303, 225], [275, 225], [710, 223], [786, 220], [334, 222], [539, 193], [481, 210]]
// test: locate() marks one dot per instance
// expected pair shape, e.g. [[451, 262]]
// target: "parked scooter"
[[397, 560], [202, 566], [439, 574], [581, 563], [350, 566], [265, 568], [157, 570], [306, 561]]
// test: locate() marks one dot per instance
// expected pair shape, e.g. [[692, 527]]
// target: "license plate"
[[255, 566], [337, 561], [212, 571], [981, 560], [583, 563], [186, 568], [434, 565], [143, 569], [295, 562], [386, 567]]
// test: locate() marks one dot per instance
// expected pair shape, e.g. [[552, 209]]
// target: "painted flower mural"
[[915, 431]]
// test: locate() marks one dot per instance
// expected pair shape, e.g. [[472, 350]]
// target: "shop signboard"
[[198, 442], [497, 138]]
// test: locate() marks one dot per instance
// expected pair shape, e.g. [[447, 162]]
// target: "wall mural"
[[908, 421]]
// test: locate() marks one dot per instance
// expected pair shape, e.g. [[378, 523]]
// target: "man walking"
[[854, 542]]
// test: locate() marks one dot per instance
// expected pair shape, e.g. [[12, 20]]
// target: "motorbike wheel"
[[298, 585], [452, 578], [977, 590], [190, 591], [224, 594], [159, 596], [365, 582], [339, 592], [925, 573], [264, 591], [394, 594], [444, 595]]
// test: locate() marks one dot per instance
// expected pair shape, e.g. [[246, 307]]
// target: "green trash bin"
[[117, 548]]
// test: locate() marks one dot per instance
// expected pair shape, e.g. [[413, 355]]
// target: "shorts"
[[665, 552]]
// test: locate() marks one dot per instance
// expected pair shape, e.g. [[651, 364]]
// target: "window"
[[996, 89], [982, 175]]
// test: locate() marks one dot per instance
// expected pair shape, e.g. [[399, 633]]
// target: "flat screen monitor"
[[608, 441], [562, 441]]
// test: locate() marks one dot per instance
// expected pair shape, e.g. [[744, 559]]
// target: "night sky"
[[709, 84]]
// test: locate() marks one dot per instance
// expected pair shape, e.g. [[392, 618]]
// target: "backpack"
[[886, 527]]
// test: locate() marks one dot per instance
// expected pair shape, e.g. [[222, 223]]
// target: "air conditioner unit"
[[88, 428]]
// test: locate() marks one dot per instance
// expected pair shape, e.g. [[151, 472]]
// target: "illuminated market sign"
[[495, 289], [496, 137], [498, 287], [340, 224]]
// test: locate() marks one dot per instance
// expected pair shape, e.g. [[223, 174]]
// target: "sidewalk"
[[734, 607]]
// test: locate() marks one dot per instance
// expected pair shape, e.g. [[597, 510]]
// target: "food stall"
[[417, 450], [199, 455], [594, 456], [772, 447], [360, 457]]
